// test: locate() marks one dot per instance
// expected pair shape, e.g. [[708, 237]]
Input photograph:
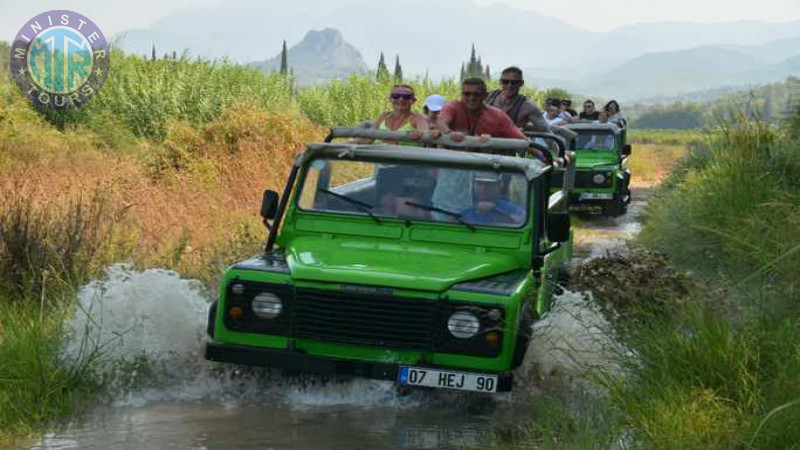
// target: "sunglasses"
[[472, 94], [511, 82], [402, 96]]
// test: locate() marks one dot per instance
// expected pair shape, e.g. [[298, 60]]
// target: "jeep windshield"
[[595, 140], [415, 193]]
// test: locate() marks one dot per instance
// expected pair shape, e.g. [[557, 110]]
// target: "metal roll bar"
[[517, 146]]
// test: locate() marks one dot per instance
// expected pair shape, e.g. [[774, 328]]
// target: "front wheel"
[[212, 319], [524, 333]]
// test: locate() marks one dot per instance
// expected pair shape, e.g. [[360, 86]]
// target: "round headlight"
[[463, 325], [599, 178], [267, 305]]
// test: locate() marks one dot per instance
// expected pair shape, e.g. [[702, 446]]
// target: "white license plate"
[[463, 381], [595, 196]]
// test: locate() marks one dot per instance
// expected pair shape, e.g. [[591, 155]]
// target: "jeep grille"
[[364, 319]]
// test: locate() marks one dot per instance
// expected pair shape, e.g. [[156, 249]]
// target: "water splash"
[[571, 340], [149, 327]]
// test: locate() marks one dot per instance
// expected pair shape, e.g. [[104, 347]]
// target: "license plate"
[[595, 196], [463, 381]]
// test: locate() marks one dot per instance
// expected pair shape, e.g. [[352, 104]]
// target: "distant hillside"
[[434, 36], [774, 51], [674, 73], [772, 103], [680, 74], [321, 56]]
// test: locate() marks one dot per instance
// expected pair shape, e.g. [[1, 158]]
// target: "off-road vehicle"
[[425, 266], [602, 176]]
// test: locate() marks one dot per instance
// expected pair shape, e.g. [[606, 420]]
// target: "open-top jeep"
[[602, 177], [421, 265]]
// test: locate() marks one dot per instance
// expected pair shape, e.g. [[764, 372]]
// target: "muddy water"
[[180, 401], [598, 235]]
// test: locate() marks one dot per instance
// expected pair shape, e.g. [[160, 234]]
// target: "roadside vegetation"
[[712, 361]]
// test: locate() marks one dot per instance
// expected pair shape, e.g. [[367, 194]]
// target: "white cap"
[[435, 102]]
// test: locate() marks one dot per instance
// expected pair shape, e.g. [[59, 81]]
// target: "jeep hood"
[[398, 264], [591, 159]]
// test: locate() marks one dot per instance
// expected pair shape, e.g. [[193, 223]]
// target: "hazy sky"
[[115, 16]]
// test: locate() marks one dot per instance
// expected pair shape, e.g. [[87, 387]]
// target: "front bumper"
[[295, 360]]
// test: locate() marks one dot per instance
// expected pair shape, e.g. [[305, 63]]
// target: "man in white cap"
[[433, 105], [491, 205]]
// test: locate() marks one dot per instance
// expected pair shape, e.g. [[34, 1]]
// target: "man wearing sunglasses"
[[589, 112], [471, 116], [518, 108]]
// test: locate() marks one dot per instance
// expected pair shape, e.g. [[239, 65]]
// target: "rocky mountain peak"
[[322, 55]]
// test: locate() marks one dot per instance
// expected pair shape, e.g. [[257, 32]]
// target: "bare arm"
[[534, 119]]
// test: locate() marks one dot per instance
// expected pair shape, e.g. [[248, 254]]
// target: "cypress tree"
[[398, 71], [463, 73], [383, 71], [153, 53], [284, 61], [488, 75]]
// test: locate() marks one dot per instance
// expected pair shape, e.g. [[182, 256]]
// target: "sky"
[[596, 15]]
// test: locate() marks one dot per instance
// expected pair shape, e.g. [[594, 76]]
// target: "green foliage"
[[736, 210], [556, 93], [473, 68], [146, 95], [398, 70], [689, 138], [677, 116], [382, 74], [284, 61], [37, 386], [42, 253]]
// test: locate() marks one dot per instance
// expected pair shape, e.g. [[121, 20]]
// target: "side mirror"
[[558, 226], [626, 151], [269, 205]]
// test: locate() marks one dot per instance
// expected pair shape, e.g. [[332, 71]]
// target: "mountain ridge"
[[320, 56]]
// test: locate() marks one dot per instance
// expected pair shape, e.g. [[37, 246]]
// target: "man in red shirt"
[[473, 117]]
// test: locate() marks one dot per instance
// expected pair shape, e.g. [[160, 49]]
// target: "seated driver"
[[492, 207], [398, 185]]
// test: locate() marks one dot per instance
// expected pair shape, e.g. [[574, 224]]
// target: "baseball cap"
[[435, 102]]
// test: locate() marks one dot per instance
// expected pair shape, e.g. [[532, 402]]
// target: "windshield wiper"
[[455, 215], [366, 207]]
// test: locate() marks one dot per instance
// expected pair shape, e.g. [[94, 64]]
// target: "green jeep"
[[424, 266], [602, 178]]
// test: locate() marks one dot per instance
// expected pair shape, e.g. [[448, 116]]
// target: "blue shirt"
[[504, 213]]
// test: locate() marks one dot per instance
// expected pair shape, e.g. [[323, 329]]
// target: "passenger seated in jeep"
[[524, 113], [396, 186], [589, 112], [492, 206], [401, 117]]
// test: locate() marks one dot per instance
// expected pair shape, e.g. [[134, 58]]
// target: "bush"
[[734, 207], [45, 251]]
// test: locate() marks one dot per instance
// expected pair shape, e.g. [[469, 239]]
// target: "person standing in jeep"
[[518, 108]]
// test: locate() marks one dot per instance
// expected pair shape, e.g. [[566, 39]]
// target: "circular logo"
[[60, 59]]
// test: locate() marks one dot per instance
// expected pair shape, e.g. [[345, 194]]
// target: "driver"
[[492, 206], [396, 186]]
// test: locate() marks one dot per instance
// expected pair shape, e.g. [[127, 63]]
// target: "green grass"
[[722, 370], [668, 137], [38, 387]]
